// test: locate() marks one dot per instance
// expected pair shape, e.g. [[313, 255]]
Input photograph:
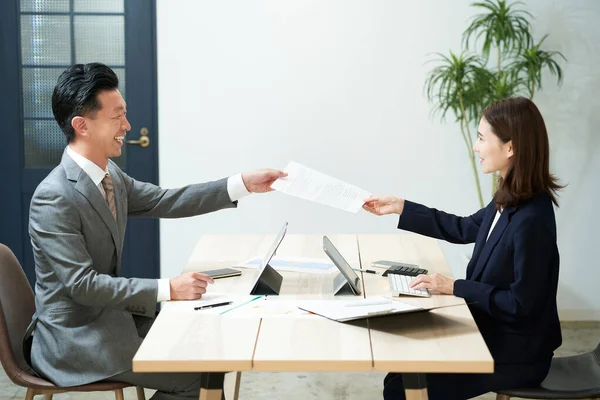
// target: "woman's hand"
[[435, 282], [382, 205]]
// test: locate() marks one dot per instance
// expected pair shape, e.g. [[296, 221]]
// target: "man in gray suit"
[[89, 322]]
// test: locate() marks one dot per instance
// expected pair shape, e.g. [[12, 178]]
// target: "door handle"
[[143, 141]]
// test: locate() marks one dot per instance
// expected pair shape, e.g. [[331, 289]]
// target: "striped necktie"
[[109, 190]]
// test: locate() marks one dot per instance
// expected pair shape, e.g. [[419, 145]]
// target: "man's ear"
[[79, 126]]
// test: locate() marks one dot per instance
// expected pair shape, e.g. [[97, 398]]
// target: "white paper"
[[315, 186], [187, 306], [269, 306], [294, 264], [347, 310]]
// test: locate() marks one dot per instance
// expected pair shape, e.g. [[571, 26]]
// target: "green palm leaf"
[[532, 61], [502, 26]]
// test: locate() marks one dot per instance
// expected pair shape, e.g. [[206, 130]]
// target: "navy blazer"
[[512, 277]]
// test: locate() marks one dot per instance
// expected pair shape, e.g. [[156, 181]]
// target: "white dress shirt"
[[235, 188], [496, 218]]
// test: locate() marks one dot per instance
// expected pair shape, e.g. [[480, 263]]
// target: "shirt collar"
[[95, 173]]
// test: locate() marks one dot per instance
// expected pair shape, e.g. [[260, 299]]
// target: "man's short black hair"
[[75, 93]]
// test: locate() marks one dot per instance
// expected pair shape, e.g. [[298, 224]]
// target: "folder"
[[350, 310]]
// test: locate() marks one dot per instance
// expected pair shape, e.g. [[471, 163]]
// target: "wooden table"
[[442, 340]]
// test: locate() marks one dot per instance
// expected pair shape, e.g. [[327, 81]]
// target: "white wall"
[[338, 86]]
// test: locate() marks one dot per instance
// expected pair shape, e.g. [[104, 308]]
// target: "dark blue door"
[[38, 40]]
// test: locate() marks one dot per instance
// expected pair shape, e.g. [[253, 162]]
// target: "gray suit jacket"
[[84, 325]]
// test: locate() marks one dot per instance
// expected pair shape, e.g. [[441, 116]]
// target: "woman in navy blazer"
[[512, 277]]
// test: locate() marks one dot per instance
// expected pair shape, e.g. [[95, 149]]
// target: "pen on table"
[[242, 304], [225, 303], [368, 271]]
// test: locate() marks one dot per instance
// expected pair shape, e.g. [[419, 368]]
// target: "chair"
[[16, 309], [574, 377]]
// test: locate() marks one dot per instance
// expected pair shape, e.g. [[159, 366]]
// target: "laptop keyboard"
[[400, 286]]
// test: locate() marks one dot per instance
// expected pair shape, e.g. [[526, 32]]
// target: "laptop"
[[268, 281], [346, 280]]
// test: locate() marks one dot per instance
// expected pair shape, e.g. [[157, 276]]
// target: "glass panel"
[[46, 39], [44, 143], [45, 6], [108, 6], [121, 74], [38, 85], [100, 38]]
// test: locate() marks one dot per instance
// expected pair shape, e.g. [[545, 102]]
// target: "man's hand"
[[435, 282], [382, 205], [189, 286], [260, 181]]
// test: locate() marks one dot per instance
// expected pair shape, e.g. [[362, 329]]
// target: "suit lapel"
[[85, 186], [492, 241], [480, 242]]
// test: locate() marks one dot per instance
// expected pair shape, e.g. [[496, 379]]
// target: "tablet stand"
[[341, 285], [269, 282]]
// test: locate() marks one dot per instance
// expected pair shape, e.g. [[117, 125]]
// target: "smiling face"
[[100, 134], [493, 154]]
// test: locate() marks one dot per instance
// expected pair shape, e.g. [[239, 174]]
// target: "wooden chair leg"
[[29, 395], [119, 394], [140, 393], [48, 396], [502, 397]]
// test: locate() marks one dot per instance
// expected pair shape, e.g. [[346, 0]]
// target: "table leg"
[[211, 385], [232, 385], [236, 393], [415, 386]]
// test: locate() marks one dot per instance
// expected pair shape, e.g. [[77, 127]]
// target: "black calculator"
[[394, 267]]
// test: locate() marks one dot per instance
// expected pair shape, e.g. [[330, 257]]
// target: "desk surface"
[[443, 340]]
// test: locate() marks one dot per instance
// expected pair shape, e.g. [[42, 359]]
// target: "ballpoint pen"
[[225, 303], [368, 271]]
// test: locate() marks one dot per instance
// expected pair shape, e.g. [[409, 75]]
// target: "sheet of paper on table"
[[267, 307], [294, 264]]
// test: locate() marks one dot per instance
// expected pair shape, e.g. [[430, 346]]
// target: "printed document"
[[315, 186], [294, 264]]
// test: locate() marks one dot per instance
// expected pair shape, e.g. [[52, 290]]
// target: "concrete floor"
[[578, 337]]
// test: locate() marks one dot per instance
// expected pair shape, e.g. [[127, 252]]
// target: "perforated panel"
[[38, 84], [121, 74], [100, 38], [44, 143], [45, 39], [45, 6], [104, 6]]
